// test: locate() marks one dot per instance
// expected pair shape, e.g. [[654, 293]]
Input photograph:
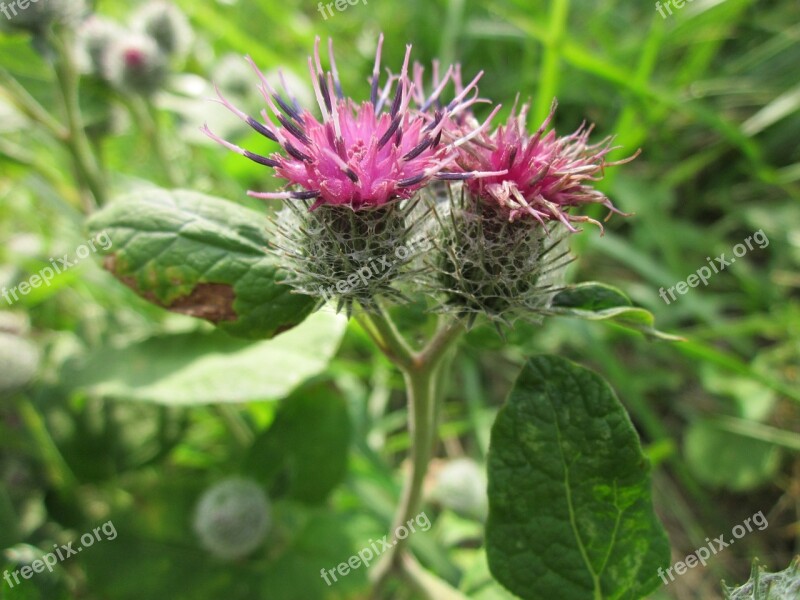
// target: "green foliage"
[[570, 508], [599, 302], [201, 256], [304, 452], [726, 459], [208, 367], [134, 411]]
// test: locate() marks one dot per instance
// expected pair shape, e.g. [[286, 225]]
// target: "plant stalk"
[[422, 372]]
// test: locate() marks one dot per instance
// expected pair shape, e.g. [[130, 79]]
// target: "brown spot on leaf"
[[210, 301]]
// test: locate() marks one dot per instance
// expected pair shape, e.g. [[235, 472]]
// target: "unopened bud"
[[135, 64], [40, 14], [19, 361], [488, 265], [232, 518], [461, 486], [96, 36], [167, 25]]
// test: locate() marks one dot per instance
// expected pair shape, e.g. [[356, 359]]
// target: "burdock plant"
[[570, 513], [353, 176]]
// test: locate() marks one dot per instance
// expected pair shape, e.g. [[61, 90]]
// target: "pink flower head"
[[358, 155], [545, 175]]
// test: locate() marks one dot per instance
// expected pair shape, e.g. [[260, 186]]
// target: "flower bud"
[[489, 265], [232, 75], [19, 361], [96, 36], [13, 323], [352, 256], [135, 64], [784, 585], [232, 518], [461, 486], [40, 14], [167, 25]]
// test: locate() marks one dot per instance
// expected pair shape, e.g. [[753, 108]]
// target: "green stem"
[[422, 372], [428, 584], [57, 469], [145, 114], [384, 333], [76, 141], [551, 58], [28, 106], [237, 426]]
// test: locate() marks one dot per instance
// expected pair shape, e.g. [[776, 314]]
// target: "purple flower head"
[[358, 155], [545, 175]]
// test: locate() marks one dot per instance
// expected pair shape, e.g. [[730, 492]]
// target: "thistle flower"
[[358, 155], [545, 175], [351, 174], [486, 264]]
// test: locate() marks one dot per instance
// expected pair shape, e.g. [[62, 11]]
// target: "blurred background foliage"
[[103, 428]]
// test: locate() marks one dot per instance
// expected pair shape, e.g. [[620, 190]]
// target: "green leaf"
[[725, 459], [599, 302], [201, 256], [209, 367], [306, 447], [570, 509]]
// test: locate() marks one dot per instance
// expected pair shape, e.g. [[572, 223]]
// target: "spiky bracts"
[[783, 585], [545, 175], [486, 264], [502, 199], [358, 155], [352, 257]]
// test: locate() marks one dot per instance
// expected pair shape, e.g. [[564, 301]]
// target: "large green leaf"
[[725, 459], [306, 447], [209, 367], [201, 256], [599, 302], [570, 510]]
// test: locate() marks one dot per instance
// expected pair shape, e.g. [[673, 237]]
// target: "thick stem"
[[421, 392], [422, 372]]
